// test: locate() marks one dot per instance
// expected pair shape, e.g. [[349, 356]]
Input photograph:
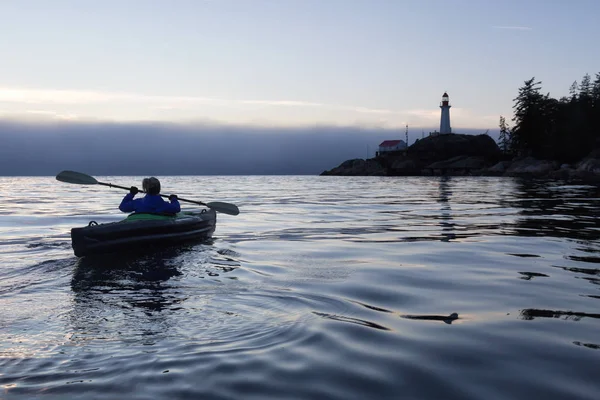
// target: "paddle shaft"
[[84, 179], [162, 195]]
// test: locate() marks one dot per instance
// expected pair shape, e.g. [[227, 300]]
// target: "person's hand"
[[173, 197], [133, 190]]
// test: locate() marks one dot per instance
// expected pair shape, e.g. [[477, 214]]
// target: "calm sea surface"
[[322, 288]]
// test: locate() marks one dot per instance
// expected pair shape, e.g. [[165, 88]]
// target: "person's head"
[[151, 185]]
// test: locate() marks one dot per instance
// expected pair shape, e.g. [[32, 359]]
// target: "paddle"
[[83, 179]]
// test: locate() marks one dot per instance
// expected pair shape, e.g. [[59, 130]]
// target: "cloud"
[[283, 103], [514, 28], [375, 111], [425, 114], [79, 97], [292, 103], [55, 96], [29, 104], [52, 114]]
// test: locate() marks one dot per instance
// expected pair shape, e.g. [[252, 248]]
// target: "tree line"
[[566, 129]]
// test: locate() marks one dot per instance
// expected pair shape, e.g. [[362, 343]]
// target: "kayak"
[[143, 230]]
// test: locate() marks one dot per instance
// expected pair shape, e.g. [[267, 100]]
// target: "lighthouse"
[[445, 120]]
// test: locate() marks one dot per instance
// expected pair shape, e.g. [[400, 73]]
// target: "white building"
[[391, 145]]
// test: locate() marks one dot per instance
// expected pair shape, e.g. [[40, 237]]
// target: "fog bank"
[[46, 148]]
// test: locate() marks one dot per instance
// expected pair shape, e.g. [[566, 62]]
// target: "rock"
[[562, 173], [531, 167], [444, 147], [588, 168], [357, 167], [589, 164], [497, 169], [403, 167], [459, 163], [406, 164]]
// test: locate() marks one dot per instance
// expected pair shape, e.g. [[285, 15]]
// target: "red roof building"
[[391, 145]]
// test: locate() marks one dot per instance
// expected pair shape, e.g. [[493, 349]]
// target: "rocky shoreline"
[[465, 155]]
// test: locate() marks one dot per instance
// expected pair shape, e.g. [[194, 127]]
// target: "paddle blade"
[[225, 208], [76, 177]]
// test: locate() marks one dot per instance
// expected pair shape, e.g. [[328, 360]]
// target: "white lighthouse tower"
[[445, 120]]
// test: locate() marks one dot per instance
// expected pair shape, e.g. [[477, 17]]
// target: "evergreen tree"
[[596, 90], [595, 104], [528, 132], [504, 138], [562, 130], [573, 91], [585, 87], [595, 111]]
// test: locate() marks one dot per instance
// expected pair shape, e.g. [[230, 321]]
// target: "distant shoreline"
[[466, 155]]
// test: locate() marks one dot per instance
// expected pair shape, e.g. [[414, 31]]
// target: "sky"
[[286, 66]]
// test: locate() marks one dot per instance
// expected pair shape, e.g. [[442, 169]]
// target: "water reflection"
[[132, 289], [446, 211], [343, 318], [532, 313], [588, 345], [588, 271], [126, 273], [447, 319], [549, 208], [530, 275]]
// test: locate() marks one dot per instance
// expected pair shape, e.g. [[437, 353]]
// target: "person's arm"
[[174, 206], [127, 204]]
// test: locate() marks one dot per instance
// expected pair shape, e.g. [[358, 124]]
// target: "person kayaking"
[[152, 202]]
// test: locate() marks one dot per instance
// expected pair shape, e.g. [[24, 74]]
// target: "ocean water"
[[321, 288]]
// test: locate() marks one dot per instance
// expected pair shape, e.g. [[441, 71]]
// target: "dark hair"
[[151, 185]]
